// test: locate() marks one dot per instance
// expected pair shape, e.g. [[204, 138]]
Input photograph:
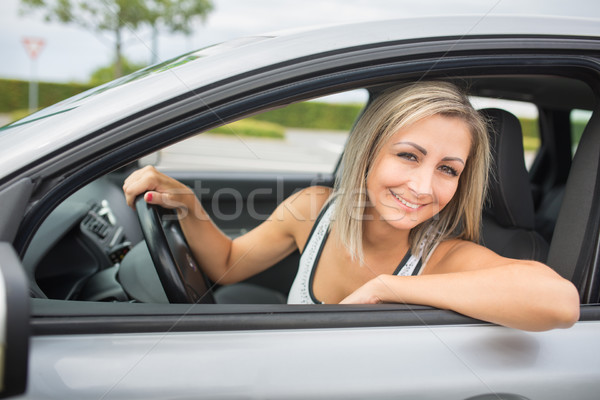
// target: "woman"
[[401, 224]]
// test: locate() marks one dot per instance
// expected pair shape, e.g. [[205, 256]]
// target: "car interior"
[[91, 247]]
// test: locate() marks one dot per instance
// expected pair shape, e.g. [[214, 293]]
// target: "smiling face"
[[416, 173]]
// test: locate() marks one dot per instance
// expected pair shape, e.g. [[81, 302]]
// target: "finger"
[[138, 183], [162, 199], [133, 190], [153, 198], [135, 176]]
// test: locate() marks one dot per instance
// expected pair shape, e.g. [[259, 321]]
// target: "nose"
[[421, 181]]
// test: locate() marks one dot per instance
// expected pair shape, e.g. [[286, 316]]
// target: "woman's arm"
[[475, 281], [224, 260]]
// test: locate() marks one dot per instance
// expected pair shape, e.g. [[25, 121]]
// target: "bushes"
[[577, 130], [250, 127], [15, 93], [530, 127], [531, 132], [314, 115], [19, 114], [306, 115]]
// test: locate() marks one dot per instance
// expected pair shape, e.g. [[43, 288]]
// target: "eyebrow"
[[416, 146], [424, 152], [458, 159]]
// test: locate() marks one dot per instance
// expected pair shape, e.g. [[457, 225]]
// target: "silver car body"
[[457, 362]]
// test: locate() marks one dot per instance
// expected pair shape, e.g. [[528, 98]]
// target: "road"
[[301, 151]]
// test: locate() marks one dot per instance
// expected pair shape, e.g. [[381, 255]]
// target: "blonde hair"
[[391, 111]]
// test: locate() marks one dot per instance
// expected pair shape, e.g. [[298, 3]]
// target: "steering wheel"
[[179, 274]]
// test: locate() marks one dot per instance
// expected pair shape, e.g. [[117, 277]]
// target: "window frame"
[[226, 102]]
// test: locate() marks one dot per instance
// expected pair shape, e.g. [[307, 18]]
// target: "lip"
[[407, 205]]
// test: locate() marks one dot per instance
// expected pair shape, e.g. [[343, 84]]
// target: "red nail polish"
[[148, 197]]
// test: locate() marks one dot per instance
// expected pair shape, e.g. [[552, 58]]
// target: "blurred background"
[[71, 45]]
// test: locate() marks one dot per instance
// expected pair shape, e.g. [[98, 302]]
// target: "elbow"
[[571, 307], [565, 313], [223, 276], [570, 319], [224, 280], [561, 306], [561, 312]]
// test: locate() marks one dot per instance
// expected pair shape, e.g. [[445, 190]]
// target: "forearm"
[[210, 246], [224, 260], [524, 296], [212, 249]]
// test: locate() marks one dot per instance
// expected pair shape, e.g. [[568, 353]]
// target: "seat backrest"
[[573, 243], [509, 217], [547, 212]]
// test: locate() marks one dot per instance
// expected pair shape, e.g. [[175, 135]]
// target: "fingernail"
[[148, 197]]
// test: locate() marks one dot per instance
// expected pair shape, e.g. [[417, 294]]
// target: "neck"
[[383, 238]]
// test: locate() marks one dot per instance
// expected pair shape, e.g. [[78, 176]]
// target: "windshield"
[[75, 101]]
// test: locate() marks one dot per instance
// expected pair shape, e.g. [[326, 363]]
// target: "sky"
[[71, 53]]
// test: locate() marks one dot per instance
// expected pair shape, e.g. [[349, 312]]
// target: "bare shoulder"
[[456, 255], [308, 202], [300, 211]]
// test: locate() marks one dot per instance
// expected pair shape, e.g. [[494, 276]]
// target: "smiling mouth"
[[406, 203]]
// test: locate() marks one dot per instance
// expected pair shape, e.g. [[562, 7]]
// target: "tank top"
[[301, 291]]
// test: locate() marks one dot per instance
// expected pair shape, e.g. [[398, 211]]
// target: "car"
[[96, 306]]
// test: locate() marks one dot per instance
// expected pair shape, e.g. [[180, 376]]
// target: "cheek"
[[377, 175], [388, 172], [446, 191]]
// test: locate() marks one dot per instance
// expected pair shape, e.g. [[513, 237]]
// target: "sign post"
[[33, 46]]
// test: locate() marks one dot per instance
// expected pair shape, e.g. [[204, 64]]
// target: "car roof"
[[55, 127]]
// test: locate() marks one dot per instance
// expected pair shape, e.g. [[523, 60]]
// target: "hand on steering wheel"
[[180, 275]]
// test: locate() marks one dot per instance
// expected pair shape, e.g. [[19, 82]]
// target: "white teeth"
[[406, 203]]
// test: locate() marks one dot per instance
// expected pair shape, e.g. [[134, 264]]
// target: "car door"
[[14, 323]]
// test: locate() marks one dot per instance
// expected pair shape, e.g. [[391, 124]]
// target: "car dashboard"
[[76, 253]]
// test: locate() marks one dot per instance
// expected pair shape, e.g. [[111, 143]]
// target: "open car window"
[[91, 249], [240, 171], [304, 137]]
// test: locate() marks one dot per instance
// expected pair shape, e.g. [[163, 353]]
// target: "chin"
[[403, 221]]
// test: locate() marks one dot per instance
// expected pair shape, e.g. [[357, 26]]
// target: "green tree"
[[177, 16], [106, 73], [113, 16]]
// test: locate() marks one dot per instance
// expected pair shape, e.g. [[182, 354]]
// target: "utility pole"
[[33, 46]]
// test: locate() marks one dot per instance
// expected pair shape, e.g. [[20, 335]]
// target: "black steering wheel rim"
[[179, 274]]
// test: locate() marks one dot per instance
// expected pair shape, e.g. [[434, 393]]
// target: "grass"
[[531, 143], [19, 114], [251, 127]]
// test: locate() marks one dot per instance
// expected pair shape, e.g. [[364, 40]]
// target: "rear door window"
[[528, 115], [579, 119]]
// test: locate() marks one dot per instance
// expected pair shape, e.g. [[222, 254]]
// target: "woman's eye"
[[449, 170], [408, 156]]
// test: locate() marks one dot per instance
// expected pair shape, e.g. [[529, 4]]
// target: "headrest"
[[510, 200]]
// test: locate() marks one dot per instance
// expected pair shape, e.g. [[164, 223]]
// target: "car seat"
[[508, 226]]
